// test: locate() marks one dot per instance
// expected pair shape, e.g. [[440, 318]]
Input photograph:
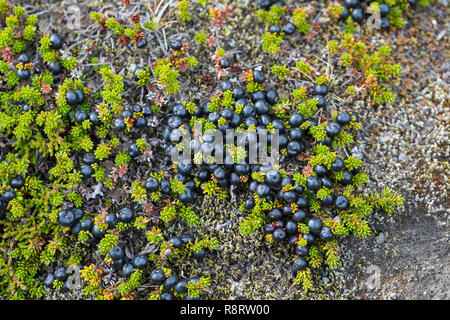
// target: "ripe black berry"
[[275, 29], [315, 225], [141, 44], [17, 182], [291, 227], [299, 216], [275, 214], [56, 41], [140, 261], [49, 279], [313, 183], [157, 276], [301, 251], [151, 184], [279, 235], [175, 45], [341, 203], [55, 67], [86, 224], [81, 115], [299, 264], [343, 118], [127, 269], [321, 89], [116, 253], [60, 274], [181, 286], [262, 190], [126, 215], [309, 237], [111, 220], [71, 98], [337, 165], [24, 58], [289, 28], [273, 178], [133, 150], [357, 15], [23, 74], [333, 129], [66, 218], [326, 234], [176, 242], [171, 281], [259, 76], [224, 63], [86, 170]]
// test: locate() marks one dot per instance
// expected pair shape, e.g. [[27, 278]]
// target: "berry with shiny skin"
[[126, 215], [343, 118], [55, 67], [181, 286], [262, 190], [17, 182], [224, 63], [140, 261], [86, 170], [49, 279], [23, 74], [321, 89], [258, 76], [315, 225], [326, 234], [71, 98], [60, 274], [157, 276], [301, 251], [299, 216], [176, 45], [357, 15], [341, 202], [56, 42], [86, 224], [291, 227], [273, 178], [81, 115], [309, 237], [127, 269], [116, 253], [337, 165], [313, 183], [289, 28], [299, 264], [279, 235], [151, 184], [296, 120], [66, 218], [333, 129], [119, 124], [171, 281]]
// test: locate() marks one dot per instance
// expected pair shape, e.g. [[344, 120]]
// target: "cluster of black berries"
[[354, 9], [171, 284], [61, 274], [76, 220], [16, 182], [123, 264], [23, 74], [134, 115], [257, 111], [54, 67]]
